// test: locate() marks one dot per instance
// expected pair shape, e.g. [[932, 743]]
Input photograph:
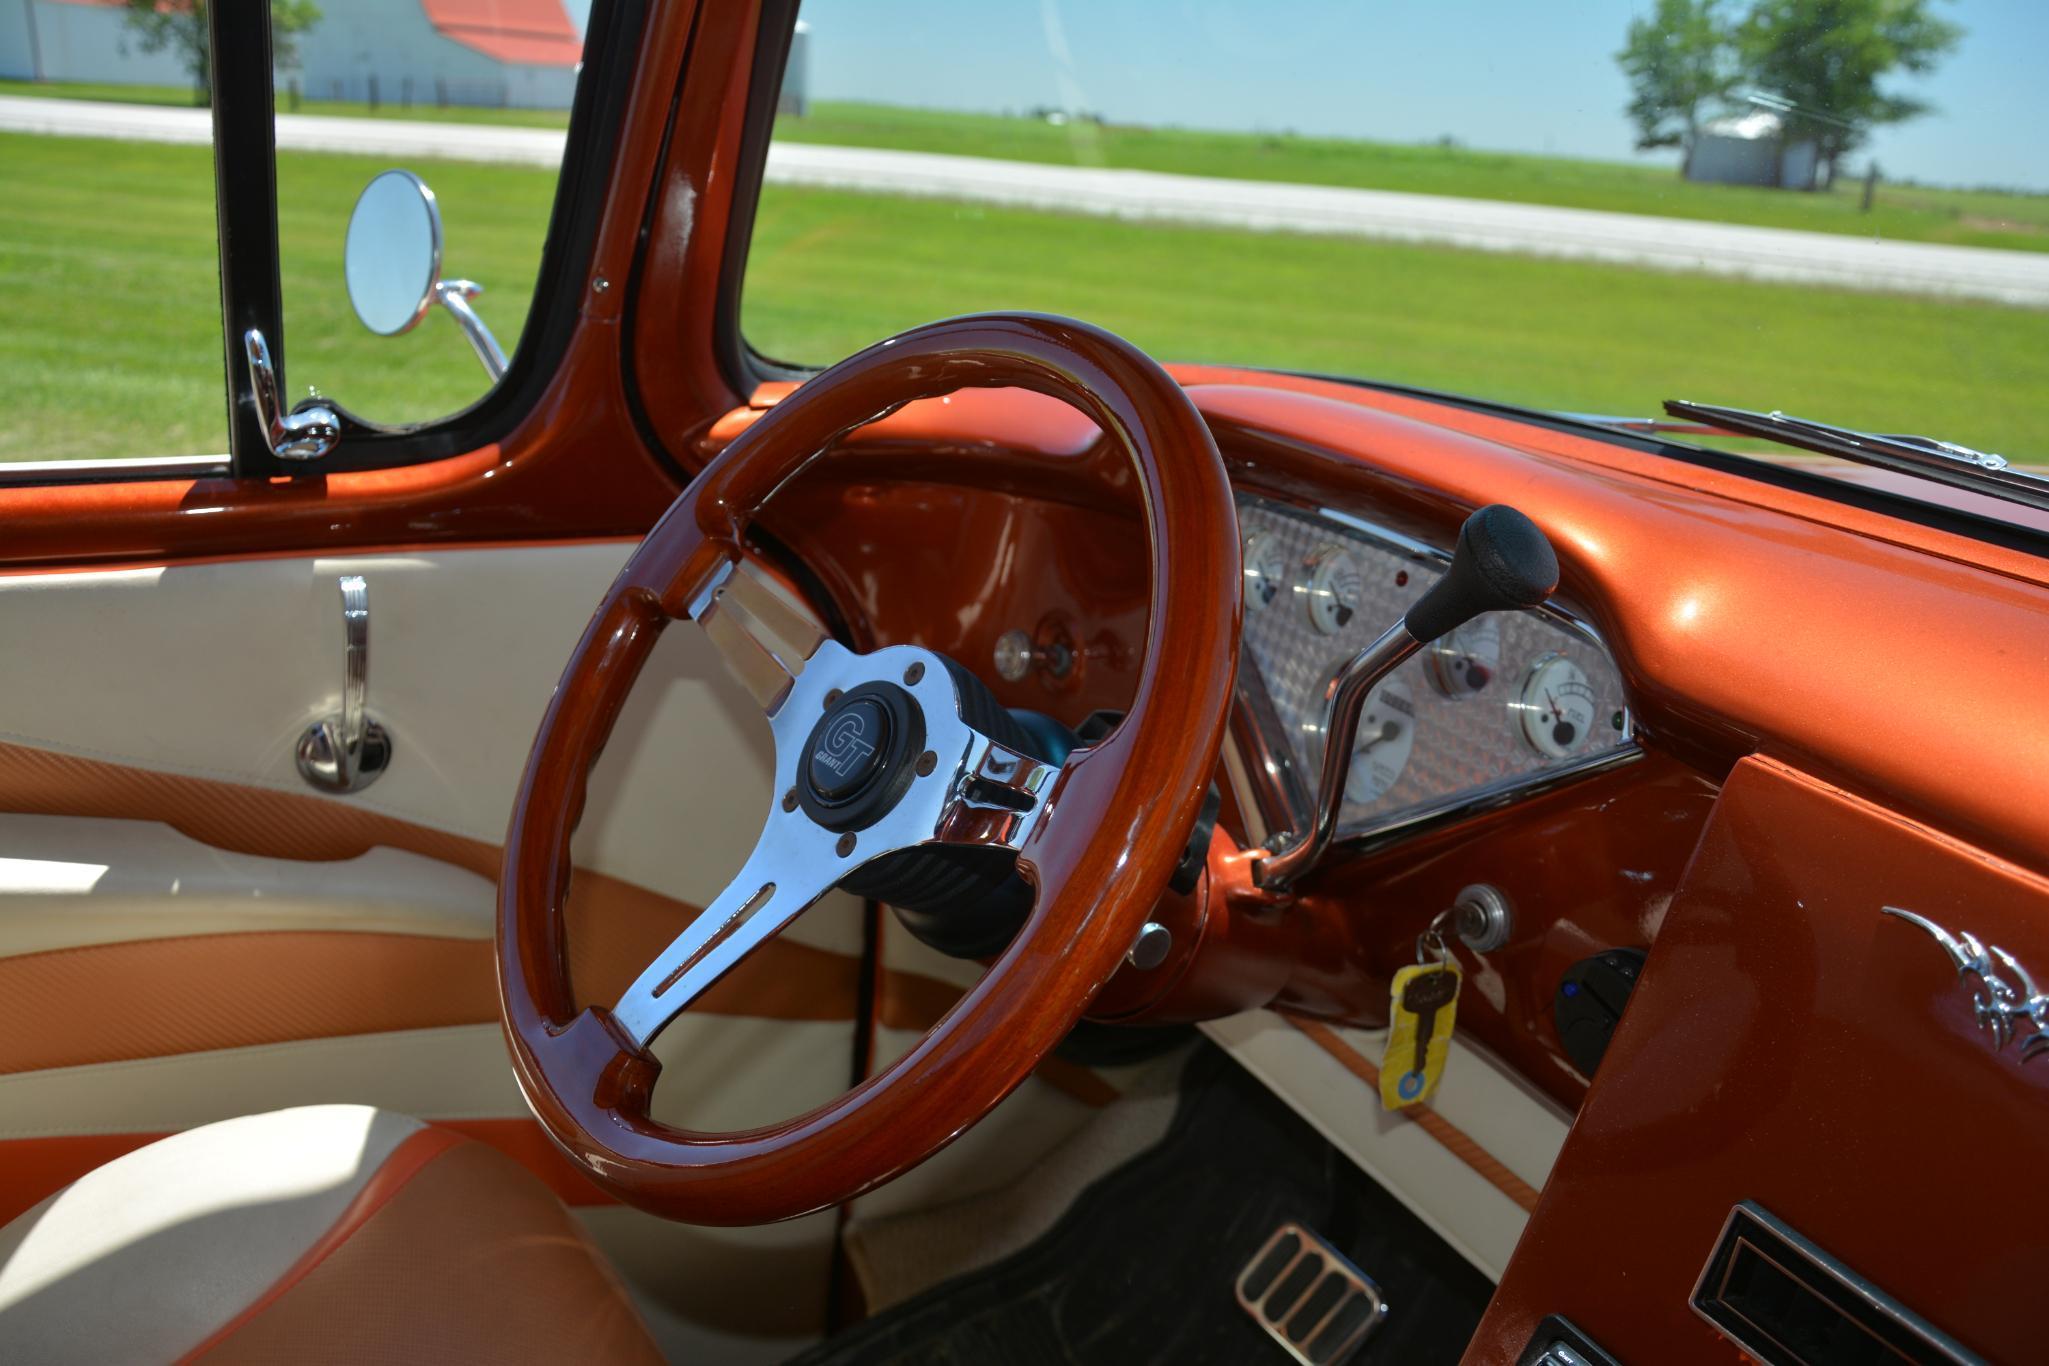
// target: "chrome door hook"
[[346, 753]]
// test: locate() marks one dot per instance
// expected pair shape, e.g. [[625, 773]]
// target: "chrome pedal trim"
[[1309, 1297]]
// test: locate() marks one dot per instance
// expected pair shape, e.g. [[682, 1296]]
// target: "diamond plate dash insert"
[[1463, 749]]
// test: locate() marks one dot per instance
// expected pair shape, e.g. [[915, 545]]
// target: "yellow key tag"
[[1425, 1002]]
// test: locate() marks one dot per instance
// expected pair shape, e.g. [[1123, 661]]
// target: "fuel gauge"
[[1466, 661], [1557, 707]]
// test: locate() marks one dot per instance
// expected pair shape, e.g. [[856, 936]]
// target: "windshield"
[[1838, 208]]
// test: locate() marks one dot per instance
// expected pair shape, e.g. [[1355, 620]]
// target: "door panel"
[[191, 932], [213, 671]]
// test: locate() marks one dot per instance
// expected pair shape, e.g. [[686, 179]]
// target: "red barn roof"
[[531, 32]]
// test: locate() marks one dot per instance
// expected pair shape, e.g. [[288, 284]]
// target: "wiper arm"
[[1943, 461]]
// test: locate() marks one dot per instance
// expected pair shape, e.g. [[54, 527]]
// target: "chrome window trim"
[[1252, 743]]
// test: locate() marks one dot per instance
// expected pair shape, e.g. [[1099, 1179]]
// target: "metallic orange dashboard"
[[1752, 629]]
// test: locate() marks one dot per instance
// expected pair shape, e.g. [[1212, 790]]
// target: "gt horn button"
[[861, 757]]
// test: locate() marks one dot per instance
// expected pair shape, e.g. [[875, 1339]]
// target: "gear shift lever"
[[1502, 562]]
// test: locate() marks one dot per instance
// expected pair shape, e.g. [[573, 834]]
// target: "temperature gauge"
[[1387, 732], [1266, 570], [1334, 588], [1557, 707], [1465, 662]]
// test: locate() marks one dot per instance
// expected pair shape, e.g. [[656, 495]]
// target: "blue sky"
[[1513, 75]]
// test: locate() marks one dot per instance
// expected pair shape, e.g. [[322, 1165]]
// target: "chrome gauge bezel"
[[1266, 771], [1322, 566], [1250, 550], [1522, 702], [1438, 660]]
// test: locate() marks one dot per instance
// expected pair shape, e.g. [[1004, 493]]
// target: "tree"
[[181, 26], [1680, 62], [1824, 58]]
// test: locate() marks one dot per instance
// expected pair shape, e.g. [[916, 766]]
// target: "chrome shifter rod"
[[1502, 562]]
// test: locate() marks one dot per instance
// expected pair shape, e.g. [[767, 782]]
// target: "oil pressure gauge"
[[1266, 570], [1387, 732], [1557, 707], [1466, 661], [1334, 589]]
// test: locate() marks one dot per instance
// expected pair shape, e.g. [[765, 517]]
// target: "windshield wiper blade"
[[1945, 462]]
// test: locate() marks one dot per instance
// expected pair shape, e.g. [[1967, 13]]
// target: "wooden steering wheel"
[[873, 756]]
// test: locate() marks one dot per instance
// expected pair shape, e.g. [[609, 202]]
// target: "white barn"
[[1752, 149], [521, 53]]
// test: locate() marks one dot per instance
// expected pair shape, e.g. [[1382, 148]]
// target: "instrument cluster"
[[1509, 702]]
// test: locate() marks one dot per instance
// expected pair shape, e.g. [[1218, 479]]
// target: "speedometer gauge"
[[1334, 589], [1387, 732], [1465, 662], [1557, 707], [1266, 570]]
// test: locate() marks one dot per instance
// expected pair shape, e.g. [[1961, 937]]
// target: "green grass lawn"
[[1901, 212], [113, 341], [113, 346], [831, 272]]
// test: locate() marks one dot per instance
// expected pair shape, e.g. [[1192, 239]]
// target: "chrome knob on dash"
[[348, 752], [1150, 946], [1017, 655]]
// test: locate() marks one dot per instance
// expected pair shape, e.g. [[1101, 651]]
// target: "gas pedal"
[[1309, 1298]]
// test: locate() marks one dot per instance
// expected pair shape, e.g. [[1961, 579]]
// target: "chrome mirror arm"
[[1501, 563], [455, 296]]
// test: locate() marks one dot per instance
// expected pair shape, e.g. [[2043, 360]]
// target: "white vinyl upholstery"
[[143, 1258]]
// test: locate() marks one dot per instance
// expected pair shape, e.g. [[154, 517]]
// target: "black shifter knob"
[[1502, 562]]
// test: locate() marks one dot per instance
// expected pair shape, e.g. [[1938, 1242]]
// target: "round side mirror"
[[393, 257]]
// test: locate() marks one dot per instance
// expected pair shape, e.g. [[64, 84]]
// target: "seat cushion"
[[331, 1233]]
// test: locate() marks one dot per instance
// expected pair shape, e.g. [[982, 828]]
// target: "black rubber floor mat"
[[1142, 1269]]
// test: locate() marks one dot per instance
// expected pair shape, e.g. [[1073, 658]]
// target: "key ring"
[[1431, 941]]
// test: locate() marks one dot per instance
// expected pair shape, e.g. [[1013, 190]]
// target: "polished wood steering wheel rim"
[[1110, 828]]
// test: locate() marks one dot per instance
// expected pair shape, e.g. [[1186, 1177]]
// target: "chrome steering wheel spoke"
[[871, 758], [765, 639], [790, 868]]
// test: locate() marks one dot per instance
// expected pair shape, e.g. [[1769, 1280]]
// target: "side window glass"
[[111, 348], [403, 301]]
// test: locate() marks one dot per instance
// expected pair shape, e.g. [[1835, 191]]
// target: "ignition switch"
[[1482, 918]]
